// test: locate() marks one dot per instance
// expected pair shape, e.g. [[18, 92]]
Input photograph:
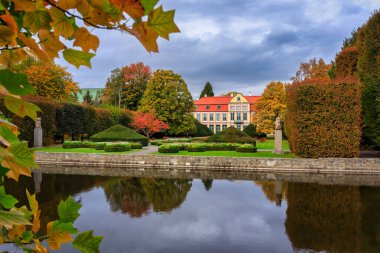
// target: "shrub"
[[323, 118], [168, 148], [70, 119], [117, 147], [157, 142], [221, 146], [88, 144], [196, 147], [250, 130], [201, 130], [261, 135], [246, 148], [231, 135], [72, 144], [119, 133], [136, 145], [100, 145]]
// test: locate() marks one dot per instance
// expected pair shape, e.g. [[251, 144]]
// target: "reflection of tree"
[[166, 194], [324, 217], [207, 183], [128, 196], [54, 188], [269, 189]]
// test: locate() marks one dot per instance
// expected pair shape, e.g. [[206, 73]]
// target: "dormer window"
[[238, 98], [219, 107], [207, 107]]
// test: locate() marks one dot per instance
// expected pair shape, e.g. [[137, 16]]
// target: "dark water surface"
[[146, 215]]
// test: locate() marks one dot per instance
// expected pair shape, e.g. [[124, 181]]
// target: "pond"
[[192, 215]]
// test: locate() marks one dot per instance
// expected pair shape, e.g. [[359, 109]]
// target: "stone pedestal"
[[278, 142], [38, 134]]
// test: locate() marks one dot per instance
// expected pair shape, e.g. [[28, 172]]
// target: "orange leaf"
[[39, 248], [68, 4], [24, 5], [9, 33], [50, 43], [16, 231], [85, 40], [33, 46], [56, 238], [146, 35], [132, 7]]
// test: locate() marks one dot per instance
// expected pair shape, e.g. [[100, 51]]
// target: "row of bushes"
[[202, 147], [62, 118], [106, 146]]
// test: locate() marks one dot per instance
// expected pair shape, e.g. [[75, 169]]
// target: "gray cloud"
[[236, 45]]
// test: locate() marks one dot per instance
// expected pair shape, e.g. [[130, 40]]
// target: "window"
[[244, 126], [224, 127], [244, 107], [232, 116], [224, 116], [238, 98], [211, 127], [204, 116], [238, 108], [218, 117], [245, 116], [217, 128], [219, 106], [238, 127], [211, 117], [232, 125], [238, 116], [232, 108], [207, 107], [198, 116]]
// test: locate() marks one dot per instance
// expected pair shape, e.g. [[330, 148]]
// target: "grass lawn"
[[269, 144], [80, 150], [268, 154]]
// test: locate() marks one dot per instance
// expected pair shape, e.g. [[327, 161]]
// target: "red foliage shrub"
[[346, 62], [323, 118]]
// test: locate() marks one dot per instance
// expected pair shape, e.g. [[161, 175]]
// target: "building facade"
[[220, 112]]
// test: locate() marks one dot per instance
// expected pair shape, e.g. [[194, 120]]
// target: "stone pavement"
[[146, 150]]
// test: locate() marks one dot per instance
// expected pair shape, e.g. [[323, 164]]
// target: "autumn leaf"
[[7, 124], [68, 4], [13, 217], [68, 210], [132, 7], [24, 5], [163, 22], [6, 200], [38, 248], [50, 43], [10, 21], [148, 5], [16, 231], [147, 36], [37, 20], [15, 83], [33, 46], [85, 40], [33, 203], [61, 24], [78, 58], [21, 107], [87, 243], [59, 233], [7, 137], [9, 32]]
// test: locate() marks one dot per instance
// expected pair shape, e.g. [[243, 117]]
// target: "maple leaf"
[[85, 40], [59, 233], [33, 46], [147, 36], [37, 20], [78, 58], [50, 43], [132, 7], [61, 24], [163, 22], [38, 248]]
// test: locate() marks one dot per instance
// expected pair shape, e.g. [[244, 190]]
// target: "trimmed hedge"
[[196, 147], [346, 62], [323, 118], [72, 144], [246, 148], [136, 145], [117, 147], [231, 135], [168, 148], [100, 145], [119, 133]]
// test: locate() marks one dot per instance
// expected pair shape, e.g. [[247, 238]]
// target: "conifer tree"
[[207, 90]]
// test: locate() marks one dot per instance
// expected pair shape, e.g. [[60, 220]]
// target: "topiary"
[[119, 133], [168, 148]]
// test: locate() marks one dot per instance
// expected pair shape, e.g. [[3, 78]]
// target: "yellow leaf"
[[36, 221], [39, 248], [10, 21], [68, 4], [146, 35], [24, 5], [33, 203], [61, 24], [9, 125], [56, 238], [85, 40], [50, 43], [33, 46], [37, 20], [8, 34], [132, 7], [16, 231]]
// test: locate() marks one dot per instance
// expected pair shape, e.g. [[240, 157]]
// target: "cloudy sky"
[[238, 45]]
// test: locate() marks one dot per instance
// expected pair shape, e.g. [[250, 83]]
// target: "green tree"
[[250, 130], [368, 69], [87, 98], [114, 88], [207, 90], [271, 105], [168, 97]]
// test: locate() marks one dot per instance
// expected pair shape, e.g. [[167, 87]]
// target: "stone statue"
[[278, 123], [38, 134], [38, 123]]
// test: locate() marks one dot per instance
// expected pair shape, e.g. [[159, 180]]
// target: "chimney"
[[232, 95], [205, 95], [250, 93]]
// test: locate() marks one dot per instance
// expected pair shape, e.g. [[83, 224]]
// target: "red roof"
[[221, 102]]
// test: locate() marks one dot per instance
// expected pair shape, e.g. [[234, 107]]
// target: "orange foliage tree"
[[148, 124], [346, 62], [311, 70]]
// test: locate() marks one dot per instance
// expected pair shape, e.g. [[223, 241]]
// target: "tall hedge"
[[323, 118], [346, 62]]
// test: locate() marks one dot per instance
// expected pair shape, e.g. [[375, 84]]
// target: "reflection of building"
[[221, 112]]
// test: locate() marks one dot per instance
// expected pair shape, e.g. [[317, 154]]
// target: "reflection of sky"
[[231, 217]]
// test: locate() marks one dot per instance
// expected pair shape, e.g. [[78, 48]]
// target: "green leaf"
[[6, 135], [87, 243], [1, 7], [17, 84], [78, 58], [27, 236], [3, 171], [21, 107], [37, 20], [163, 22], [6, 200], [13, 217], [148, 5], [61, 227], [68, 210]]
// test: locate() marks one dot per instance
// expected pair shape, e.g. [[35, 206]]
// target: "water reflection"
[[182, 215]]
